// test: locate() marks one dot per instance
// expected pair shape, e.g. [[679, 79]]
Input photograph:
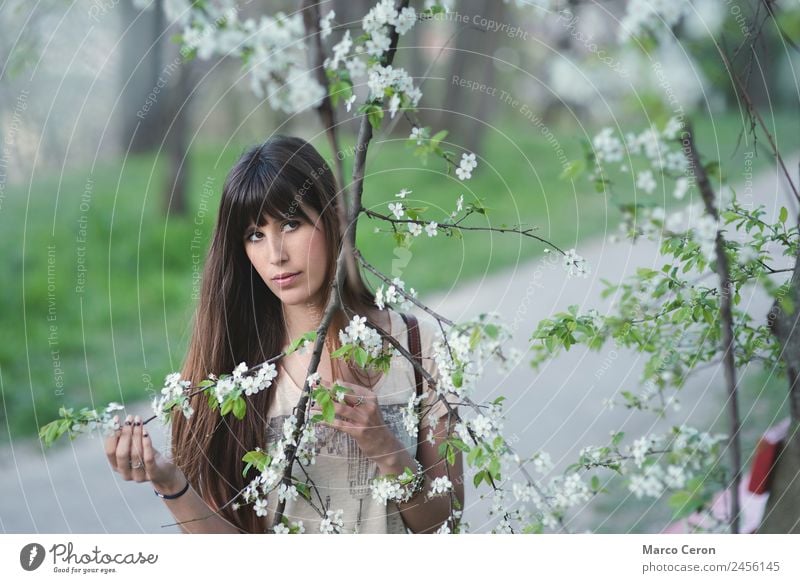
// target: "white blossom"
[[654, 16], [356, 67], [646, 182], [325, 24], [405, 20], [607, 147], [313, 380], [419, 134], [440, 485], [287, 492], [397, 209], [358, 333], [385, 489], [681, 188], [415, 229], [410, 417], [404, 192], [394, 296], [575, 265], [260, 507], [430, 228], [332, 523]]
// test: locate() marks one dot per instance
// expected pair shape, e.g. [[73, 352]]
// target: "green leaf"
[[374, 115], [783, 215], [343, 350], [437, 138], [478, 478], [256, 458], [239, 408], [572, 169], [303, 490], [328, 410], [595, 483], [227, 407], [310, 336], [361, 356], [683, 503]]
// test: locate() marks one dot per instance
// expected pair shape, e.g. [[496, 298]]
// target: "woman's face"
[[290, 246]]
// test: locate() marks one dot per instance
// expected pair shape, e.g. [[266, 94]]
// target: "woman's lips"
[[283, 282]]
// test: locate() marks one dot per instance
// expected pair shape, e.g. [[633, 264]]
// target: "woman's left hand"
[[359, 415]]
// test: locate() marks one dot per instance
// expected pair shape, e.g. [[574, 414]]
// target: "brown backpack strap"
[[414, 347]]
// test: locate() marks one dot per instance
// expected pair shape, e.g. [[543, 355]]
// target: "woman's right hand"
[[131, 453]]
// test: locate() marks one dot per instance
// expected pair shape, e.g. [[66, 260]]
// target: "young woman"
[[266, 281]]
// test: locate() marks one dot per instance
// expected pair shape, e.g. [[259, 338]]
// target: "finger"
[[150, 455], [138, 473], [340, 425], [110, 445], [355, 414], [124, 449], [358, 396]]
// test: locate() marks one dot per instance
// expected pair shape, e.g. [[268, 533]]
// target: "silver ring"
[[135, 467], [360, 400]]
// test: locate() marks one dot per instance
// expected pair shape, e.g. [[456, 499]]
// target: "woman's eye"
[[294, 224], [254, 236]]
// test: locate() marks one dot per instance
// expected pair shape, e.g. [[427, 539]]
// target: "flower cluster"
[[294, 528], [272, 48], [332, 523], [440, 486], [667, 462], [395, 295], [384, 490], [89, 420], [409, 414], [462, 355], [575, 265], [173, 393], [239, 383], [392, 82], [357, 333], [420, 134], [653, 145], [651, 16], [378, 21], [466, 166], [325, 24]]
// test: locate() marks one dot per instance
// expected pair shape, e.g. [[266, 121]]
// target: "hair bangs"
[[266, 193]]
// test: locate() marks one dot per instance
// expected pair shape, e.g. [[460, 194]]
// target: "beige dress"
[[341, 472]]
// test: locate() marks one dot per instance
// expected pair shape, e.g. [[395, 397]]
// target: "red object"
[[767, 451]]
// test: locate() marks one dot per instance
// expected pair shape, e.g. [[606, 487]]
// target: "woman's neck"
[[300, 319]]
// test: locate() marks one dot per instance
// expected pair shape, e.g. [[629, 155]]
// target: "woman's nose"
[[277, 249]]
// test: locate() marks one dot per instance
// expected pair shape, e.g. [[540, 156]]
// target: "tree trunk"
[[782, 515], [783, 507], [140, 68], [176, 191]]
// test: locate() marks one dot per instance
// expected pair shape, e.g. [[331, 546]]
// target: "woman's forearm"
[[192, 513], [421, 514]]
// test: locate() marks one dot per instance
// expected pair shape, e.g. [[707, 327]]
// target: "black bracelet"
[[173, 496]]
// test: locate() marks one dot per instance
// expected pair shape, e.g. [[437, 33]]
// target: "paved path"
[[558, 409]]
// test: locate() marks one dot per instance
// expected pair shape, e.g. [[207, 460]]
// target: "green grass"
[[118, 337]]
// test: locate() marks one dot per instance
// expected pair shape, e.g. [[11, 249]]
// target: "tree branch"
[[726, 314]]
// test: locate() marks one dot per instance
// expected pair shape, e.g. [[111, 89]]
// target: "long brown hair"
[[239, 319]]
